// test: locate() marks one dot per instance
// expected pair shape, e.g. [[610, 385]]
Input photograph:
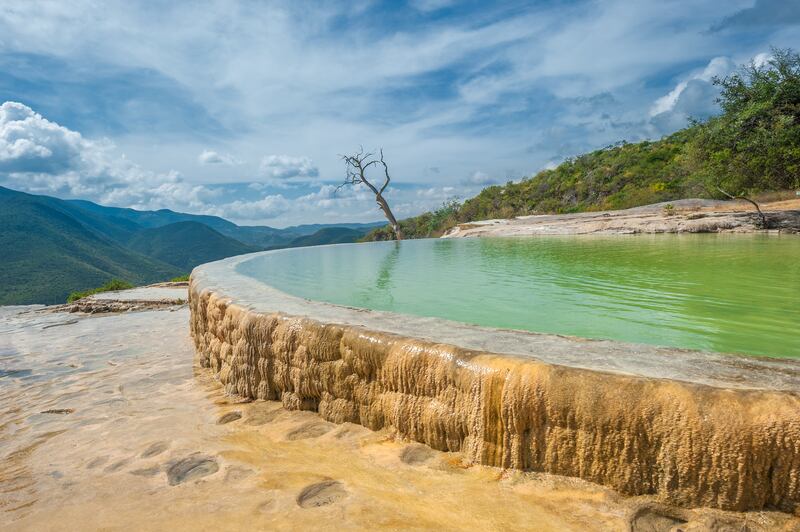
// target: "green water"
[[727, 293]]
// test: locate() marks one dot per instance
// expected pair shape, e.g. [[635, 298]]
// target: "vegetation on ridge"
[[753, 146]]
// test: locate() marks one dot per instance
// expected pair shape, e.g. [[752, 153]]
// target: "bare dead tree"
[[356, 166], [761, 216]]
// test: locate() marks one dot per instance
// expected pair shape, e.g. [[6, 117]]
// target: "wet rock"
[[416, 454], [718, 524], [146, 472], [155, 449], [15, 373], [321, 494], [116, 466], [230, 416], [309, 430], [657, 518], [191, 468], [261, 417]]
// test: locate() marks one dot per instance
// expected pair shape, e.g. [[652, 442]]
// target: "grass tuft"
[[110, 286]]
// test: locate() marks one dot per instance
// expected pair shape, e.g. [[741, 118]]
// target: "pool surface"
[[724, 293]]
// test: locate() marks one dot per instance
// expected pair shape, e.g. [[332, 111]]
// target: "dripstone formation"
[[687, 444]]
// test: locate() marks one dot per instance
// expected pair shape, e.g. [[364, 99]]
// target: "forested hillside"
[[53, 247], [48, 251], [751, 147], [186, 244]]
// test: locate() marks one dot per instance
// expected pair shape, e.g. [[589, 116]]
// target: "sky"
[[242, 109]]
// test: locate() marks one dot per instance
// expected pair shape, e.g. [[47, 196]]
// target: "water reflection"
[[729, 293]]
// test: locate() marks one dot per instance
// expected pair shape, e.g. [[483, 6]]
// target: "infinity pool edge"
[[688, 438]]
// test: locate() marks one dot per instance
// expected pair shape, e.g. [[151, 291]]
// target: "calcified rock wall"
[[689, 445]]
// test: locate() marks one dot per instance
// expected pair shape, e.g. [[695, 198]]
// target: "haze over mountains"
[[51, 247]]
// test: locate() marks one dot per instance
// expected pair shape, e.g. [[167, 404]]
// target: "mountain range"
[[52, 247]]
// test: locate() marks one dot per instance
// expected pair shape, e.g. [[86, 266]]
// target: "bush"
[[110, 286]]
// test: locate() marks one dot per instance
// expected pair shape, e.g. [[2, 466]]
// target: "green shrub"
[[110, 286]]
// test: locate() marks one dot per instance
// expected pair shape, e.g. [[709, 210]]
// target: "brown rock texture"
[[687, 444]]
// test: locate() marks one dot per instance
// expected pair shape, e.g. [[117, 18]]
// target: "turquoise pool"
[[726, 293]]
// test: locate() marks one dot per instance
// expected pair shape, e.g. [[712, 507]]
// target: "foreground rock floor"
[[106, 423]]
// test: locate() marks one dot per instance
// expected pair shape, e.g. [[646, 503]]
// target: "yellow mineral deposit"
[[109, 422], [687, 444]]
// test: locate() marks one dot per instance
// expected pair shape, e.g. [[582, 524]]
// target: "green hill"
[[310, 229], [753, 146], [49, 250], [329, 235], [186, 244], [258, 236], [54, 247]]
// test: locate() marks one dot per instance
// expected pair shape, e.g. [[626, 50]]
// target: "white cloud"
[[282, 167], [455, 93], [41, 156], [265, 208], [762, 59], [30, 142], [213, 157], [719, 66]]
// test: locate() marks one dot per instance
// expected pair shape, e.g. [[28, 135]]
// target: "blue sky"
[[240, 109]]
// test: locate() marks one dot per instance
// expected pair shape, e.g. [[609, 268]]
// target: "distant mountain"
[[152, 218], [309, 229], [186, 244], [258, 236], [51, 248], [329, 235]]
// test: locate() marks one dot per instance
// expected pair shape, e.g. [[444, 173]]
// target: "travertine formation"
[[681, 216], [687, 444]]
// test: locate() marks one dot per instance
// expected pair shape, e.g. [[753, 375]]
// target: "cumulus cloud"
[[41, 156], [213, 157], [719, 66], [265, 208], [762, 59], [692, 97], [283, 167], [459, 92], [30, 143]]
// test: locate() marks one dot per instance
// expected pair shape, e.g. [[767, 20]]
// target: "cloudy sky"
[[240, 109]]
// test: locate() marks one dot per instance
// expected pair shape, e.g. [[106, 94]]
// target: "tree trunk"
[[761, 215], [389, 216]]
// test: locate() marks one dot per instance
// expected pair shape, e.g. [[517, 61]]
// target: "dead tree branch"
[[356, 167], [762, 217]]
